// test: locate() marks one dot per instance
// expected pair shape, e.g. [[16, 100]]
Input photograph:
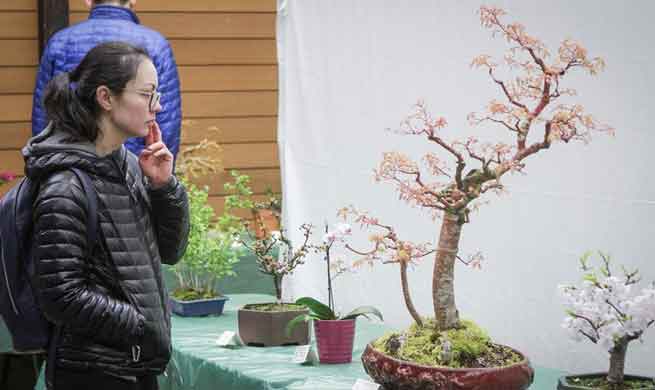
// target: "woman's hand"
[[155, 159]]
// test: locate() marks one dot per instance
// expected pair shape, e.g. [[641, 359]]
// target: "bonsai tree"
[[210, 253], [276, 256], [453, 180], [607, 311], [213, 249]]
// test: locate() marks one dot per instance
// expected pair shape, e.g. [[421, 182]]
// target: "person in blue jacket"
[[113, 20]]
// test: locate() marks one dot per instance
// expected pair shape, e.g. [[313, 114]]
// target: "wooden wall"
[[226, 56]]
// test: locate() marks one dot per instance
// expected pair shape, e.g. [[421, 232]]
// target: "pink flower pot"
[[334, 339]]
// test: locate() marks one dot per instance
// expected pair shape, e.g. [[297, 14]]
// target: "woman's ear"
[[89, 3], [104, 98]]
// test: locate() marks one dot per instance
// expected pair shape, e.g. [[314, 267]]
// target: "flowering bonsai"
[[460, 173], [607, 311]]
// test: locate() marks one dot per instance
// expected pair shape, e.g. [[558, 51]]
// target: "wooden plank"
[[17, 79], [17, 5], [204, 25], [14, 135], [226, 104], [21, 25], [241, 156], [191, 5], [15, 108], [235, 156], [228, 77], [19, 52], [230, 130], [12, 161], [224, 51], [259, 180]]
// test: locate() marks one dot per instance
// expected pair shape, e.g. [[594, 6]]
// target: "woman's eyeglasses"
[[154, 96]]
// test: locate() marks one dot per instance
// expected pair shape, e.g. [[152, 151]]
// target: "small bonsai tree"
[[276, 256], [212, 250], [607, 311], [211, 253], [453, 181]]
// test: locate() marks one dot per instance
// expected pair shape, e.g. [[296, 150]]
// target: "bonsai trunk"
[[443, 292], [408, 298], [277, 280], [617, 364]]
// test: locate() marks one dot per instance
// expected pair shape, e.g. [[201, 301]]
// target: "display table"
[[199, 364]]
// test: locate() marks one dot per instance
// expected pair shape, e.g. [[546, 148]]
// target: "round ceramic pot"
[[394, 374], [565, 382]]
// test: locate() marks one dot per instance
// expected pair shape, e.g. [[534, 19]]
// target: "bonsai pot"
[[395, 374], [267, 328], [199, 307], [334, 339], [566, 383]]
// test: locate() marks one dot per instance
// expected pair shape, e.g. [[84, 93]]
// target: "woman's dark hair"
[[70, 98]]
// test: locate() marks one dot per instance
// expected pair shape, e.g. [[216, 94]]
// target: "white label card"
[[228, 339], [361, 384], [305, 354]]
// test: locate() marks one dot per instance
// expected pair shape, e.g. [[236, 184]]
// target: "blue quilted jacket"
[[111, 23]]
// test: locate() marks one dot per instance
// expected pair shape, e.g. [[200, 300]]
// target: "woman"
[[106, 298]]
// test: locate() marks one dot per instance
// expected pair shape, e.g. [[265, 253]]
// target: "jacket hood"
[[53, 150]]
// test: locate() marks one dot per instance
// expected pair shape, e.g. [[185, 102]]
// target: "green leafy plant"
[[211, 252], [321, 311]]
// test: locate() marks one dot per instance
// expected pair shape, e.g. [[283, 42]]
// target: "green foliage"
[[468, 342], [239, 198], [423, 345], [321, 311], [211, 252]]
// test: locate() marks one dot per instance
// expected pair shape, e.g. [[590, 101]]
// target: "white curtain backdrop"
[[351, 69]]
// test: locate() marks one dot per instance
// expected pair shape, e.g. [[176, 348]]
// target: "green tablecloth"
[[198, 364]]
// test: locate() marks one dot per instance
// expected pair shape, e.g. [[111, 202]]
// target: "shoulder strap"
[[92, 198]]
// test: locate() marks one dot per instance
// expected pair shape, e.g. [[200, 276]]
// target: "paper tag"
[[228, 339], [305, 354], [361, 384]]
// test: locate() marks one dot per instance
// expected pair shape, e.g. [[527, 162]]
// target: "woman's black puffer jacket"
[[112, 306]]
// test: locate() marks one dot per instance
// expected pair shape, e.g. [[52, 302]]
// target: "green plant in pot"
[[212, 250], [210, 255], [607, 310], [263, 324], [334, 333], [536, 111]]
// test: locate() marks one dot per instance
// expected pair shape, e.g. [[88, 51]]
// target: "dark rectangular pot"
[[198, 308], [267, 329], [565, 384]]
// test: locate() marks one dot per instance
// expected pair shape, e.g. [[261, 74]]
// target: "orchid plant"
[[607, 310], [465, 170], [317, 309]]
